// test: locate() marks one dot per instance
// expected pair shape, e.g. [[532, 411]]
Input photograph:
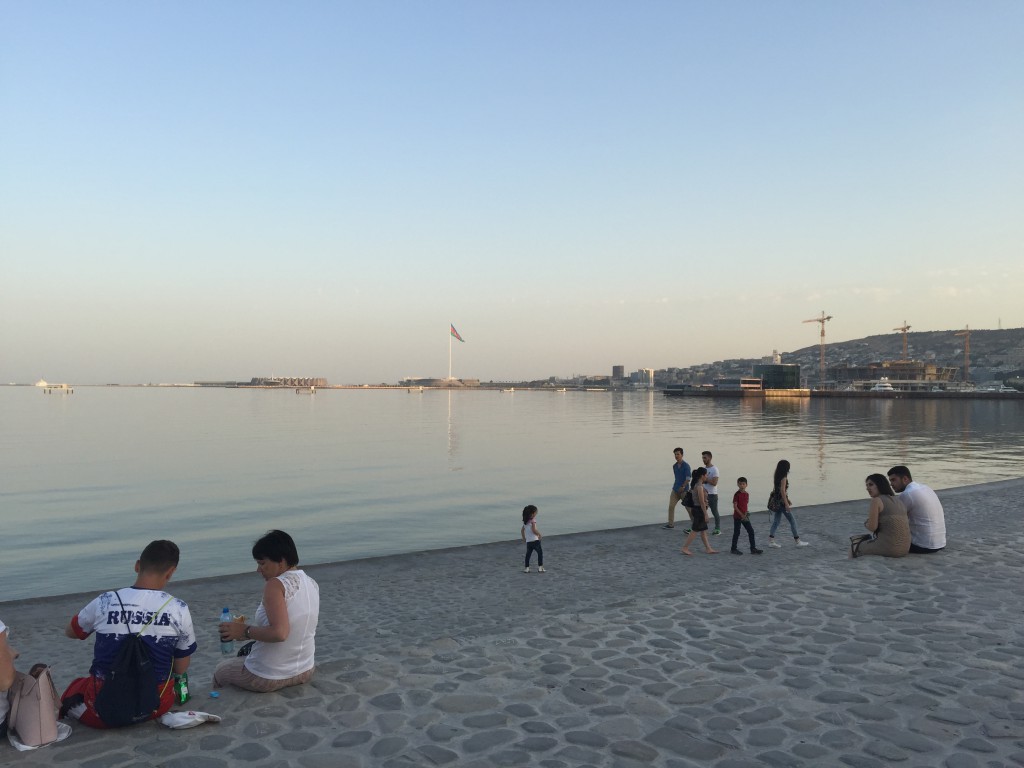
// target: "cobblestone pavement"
[[624, 654]]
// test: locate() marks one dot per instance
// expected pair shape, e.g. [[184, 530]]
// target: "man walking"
[[680, 486], [711, 489], [924, 511]]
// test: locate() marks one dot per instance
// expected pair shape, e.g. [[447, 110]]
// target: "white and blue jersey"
[[169, 635]]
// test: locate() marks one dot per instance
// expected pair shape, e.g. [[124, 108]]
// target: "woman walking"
[[699, 511], [779, 505]]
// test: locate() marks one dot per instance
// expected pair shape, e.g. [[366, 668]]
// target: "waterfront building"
[[285, 381], [738, 383], [912, 374], [778, 375], [643, 378]]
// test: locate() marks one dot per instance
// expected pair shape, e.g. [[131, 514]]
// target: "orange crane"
[[823, 319], [966, 333], [904, 328]]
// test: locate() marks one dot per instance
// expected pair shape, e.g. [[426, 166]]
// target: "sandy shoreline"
[[625, 653]]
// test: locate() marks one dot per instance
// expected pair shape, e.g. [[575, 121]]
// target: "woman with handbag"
[[779, 505], [699, 512], [887, 523]]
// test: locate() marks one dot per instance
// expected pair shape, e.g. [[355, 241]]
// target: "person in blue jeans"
[[531, 535], [711, 488], [680, 485], [780, 486]]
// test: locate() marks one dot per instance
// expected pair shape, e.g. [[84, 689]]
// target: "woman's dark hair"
[[276, 546], [882, 484], [698, 473], [528, 511], [781, 471]]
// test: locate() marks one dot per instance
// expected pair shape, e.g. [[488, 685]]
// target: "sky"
[[215, 191]]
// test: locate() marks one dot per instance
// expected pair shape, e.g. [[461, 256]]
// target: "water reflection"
[[453, 443], [362, 473], [833, 443]]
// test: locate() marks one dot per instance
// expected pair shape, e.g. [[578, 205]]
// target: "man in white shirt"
[[924, 511], [711, 489]]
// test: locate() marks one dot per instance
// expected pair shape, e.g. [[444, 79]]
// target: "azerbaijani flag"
[[456, 335]]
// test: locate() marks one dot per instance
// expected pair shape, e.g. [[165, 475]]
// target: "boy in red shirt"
[[740, 499]]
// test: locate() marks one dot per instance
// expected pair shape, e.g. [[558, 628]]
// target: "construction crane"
[[904, 328], [823, 319], [966, 333]]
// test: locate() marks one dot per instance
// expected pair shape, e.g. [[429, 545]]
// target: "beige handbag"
[[34, 705]]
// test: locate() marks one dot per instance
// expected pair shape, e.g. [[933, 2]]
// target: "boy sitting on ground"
[[145, 609]]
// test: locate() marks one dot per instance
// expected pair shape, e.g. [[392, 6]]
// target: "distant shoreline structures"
[[268, 382], [885, 394], [928, 360]]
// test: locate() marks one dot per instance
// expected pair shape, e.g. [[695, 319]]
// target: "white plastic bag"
[[189, 719]]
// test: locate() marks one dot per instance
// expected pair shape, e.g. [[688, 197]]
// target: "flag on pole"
[[456, 335]]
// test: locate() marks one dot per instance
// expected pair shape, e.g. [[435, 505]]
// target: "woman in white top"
[[285, 623]]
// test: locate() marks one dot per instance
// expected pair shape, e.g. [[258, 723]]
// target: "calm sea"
[[89, 478]]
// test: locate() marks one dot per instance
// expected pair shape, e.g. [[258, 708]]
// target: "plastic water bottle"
[[227, 647]]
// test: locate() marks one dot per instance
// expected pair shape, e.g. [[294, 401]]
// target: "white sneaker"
[[540, 569], [526, 569], [802, 543], [775, 544]]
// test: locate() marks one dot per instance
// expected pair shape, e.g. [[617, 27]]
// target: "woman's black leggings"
[[532, 546]]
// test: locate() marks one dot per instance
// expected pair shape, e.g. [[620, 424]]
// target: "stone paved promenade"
[[624, 654]]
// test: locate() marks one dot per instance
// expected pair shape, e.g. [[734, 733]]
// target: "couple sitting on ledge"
[[280, 655], [911, 523]]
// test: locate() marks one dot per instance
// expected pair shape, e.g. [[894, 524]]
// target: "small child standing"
[[531, 536], [740, 516]]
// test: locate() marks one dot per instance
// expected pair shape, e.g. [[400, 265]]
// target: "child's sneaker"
[[526, 569], [540, 569], [735, 551], [688, 530], [802, 543], [771, 543], [756, 551], [716, 532]]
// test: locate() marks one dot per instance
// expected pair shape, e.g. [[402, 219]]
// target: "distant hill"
[[943, 346], [990, 349]]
